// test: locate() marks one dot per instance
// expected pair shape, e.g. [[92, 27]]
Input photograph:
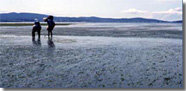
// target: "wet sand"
[[140, 30], [94, 55], [90, 62]]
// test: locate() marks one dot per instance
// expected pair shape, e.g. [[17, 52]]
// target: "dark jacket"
[[36, 27], [50, 22]]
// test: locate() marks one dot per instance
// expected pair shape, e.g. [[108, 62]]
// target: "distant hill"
[[20, 17], [180, 21], [29, 17]]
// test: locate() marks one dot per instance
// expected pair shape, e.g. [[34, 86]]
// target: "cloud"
[[166, 1], [170, 11], [134, 11], [171, 14]]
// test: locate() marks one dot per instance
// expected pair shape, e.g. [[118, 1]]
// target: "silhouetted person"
[[36, 28], [51, 24]]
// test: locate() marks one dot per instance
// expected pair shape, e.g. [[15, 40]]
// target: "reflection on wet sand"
[[36, 43], [51, 49], [50, 43]]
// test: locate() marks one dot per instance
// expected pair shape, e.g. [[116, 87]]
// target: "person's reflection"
[[51, 48], [36, 43], [51, 43]]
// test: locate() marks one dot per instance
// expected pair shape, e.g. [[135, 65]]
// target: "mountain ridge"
[[29, 17]]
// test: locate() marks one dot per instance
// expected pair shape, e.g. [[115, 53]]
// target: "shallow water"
[[154, 30]]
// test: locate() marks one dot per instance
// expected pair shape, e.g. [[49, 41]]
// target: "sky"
[[169, 10]]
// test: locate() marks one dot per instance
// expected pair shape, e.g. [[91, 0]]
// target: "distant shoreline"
[[28, 24], [61, 23]]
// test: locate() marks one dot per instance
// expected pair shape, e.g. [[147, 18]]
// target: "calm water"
[[163, 30]]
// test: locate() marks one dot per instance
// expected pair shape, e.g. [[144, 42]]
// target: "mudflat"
[[90, 60]]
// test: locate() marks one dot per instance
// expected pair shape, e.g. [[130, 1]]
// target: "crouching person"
[[36, 28]]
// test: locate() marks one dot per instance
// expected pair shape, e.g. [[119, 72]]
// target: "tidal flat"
[[93, 56]]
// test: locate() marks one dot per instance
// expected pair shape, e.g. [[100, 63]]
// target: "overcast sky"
[[158, 9]]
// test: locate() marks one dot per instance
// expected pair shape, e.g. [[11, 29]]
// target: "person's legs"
[[51, 34], [48, 33], [33, 34], [39, 33]]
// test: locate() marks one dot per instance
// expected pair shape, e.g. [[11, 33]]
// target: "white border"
[[1, 89]]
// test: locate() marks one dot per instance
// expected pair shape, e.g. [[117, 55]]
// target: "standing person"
[[51, 25]]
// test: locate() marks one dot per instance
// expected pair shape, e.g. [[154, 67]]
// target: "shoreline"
[[30, 24]]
